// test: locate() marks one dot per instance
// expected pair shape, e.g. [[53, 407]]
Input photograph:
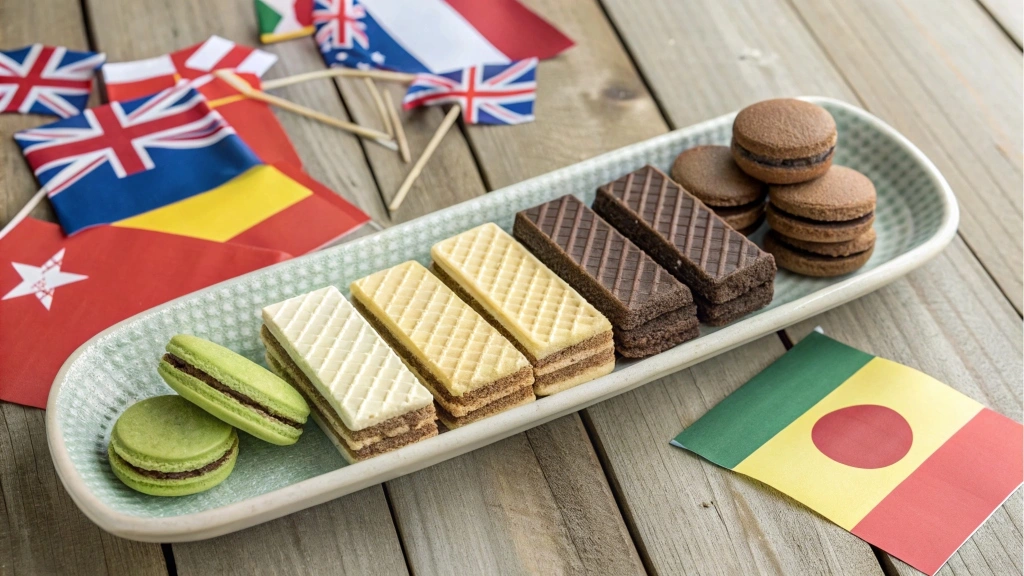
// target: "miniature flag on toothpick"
[[431, 35], [888, 453], [57, 292], [281, 20], [130, 80], [52, 80], [487, 94]]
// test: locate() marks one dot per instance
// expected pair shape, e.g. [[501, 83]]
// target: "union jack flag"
[[488, 94], [46, 80], [339, 24], [125, 158]]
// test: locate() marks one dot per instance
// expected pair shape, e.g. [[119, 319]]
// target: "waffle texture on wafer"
[[464, 361], [683, 235], [541, 311], [567, 340], [358, 387], [648, 307]]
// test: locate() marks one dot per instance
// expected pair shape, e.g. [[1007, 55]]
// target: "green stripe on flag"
[[268, 17], [770, 401]]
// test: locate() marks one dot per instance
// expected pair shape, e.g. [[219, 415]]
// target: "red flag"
[[253, 121], [57, 292]]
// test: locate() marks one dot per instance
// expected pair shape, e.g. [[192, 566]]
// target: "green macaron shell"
[[241, 374], [227, 408], [169, 487], [170, 434]]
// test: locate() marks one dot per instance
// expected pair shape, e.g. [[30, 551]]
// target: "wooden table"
[[601, 491]]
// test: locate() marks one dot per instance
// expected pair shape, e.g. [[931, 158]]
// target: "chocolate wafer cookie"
[[649, 309], [683, 235]]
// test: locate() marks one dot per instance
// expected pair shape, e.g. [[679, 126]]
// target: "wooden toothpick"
[[23, 213], [435, 140], [382, 75], [379, 103], [403, 143], [249, 92]]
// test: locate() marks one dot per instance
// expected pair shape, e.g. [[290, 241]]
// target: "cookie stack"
[[711, 174], [820, 215]]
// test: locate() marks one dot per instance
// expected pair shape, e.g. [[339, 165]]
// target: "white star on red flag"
[[42, 280]]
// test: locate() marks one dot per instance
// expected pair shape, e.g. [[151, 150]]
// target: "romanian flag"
[[890, 454]]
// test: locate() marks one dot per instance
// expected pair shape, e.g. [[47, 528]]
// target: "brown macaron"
[[796, 259], [709, 173], [784, 141], [837, 207]]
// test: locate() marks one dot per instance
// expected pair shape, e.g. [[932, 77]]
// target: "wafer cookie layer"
[[536, 307], [461, 350], [346, 360]]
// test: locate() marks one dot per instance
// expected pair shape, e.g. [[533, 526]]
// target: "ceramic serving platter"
[[916, 217]]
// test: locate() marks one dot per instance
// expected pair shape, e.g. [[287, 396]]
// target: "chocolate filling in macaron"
[[784, 141], [212, 382], [186, 473]]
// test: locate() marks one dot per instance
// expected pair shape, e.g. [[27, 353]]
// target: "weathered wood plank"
[[351, 535], [590, 100], [1010, 15], [450, 177], [693, 517], [530, 504], [945, 75], [973, 343], [41, 529]]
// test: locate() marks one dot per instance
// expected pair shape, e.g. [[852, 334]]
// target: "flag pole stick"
[[379, 103], [383, 75], [23, 213], [403, 143], [250, 92], [435, 140]]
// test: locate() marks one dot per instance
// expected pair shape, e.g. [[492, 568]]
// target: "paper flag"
[[889, 453]]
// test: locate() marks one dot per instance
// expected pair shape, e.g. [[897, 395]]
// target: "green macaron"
[[167, 446], [234, 389]]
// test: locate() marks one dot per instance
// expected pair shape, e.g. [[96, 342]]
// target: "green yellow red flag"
[[889, 453]]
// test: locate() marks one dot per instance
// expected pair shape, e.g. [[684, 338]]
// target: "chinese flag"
[[57, 292]]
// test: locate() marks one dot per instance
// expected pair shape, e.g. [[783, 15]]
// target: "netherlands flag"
[[431, 35]]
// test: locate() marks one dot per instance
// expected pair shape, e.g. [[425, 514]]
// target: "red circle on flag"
[[864, 436]]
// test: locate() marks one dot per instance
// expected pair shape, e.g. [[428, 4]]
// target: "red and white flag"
[[57, 292], [130, 80]]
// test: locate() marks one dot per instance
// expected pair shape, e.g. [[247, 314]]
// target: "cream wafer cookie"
[[352, 378], [463, 360], [565, 338]]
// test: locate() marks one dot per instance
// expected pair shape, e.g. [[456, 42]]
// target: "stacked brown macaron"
[[820, 215], [711, 174]]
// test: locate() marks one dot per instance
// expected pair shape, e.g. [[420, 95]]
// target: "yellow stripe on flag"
[[792, 463], [225, 211]]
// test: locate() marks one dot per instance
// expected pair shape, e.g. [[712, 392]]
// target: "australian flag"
[[431, 35], [125, 158], [488, 94], [51, 80]]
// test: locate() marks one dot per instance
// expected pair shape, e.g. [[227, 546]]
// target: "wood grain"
[[693, 517], [590, 100], [41, 529], [950, 321], [1010, 15], [350, 535], [952, 83]]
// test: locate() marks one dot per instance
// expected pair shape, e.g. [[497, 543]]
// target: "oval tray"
[[916, 217]]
